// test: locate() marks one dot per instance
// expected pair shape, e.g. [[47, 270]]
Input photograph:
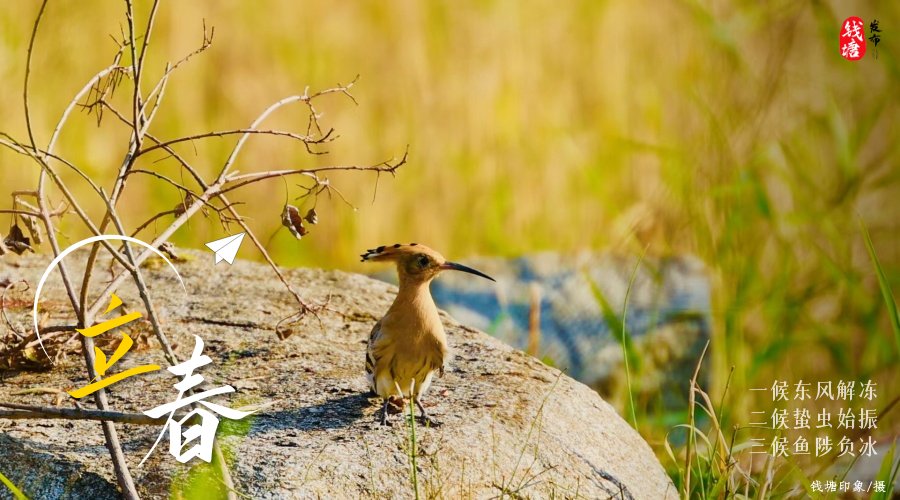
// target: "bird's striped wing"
[[374, 335]]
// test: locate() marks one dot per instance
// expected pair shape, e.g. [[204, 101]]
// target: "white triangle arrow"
[[227, 247]]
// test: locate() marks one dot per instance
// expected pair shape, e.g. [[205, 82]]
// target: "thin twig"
[[383, 167], [223, 133], [74, 102], [150, 221], [3, 306], [34, 30], [207, 42], [136, 95], [40, 157], [305, 98], [19, 212], [146, 42], [18, 412], [210, 192], [162, 177], [144, 292]]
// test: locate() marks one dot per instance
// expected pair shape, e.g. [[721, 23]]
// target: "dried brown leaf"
[[312, 217], [290, 218], [183, 206], [169, 249], [16, 241]]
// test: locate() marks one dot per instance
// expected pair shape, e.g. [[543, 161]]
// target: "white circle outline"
[[70, 249]]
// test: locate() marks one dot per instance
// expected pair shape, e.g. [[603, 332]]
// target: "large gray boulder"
[[510, 424]]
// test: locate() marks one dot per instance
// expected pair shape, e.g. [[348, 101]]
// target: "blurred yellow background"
[[530, 126], [731, 130]]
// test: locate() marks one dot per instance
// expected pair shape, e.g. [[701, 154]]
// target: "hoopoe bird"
[[408, 345]]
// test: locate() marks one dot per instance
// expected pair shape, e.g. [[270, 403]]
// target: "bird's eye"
[[423, 261]]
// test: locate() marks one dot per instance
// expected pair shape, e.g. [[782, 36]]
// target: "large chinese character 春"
[[203, 433]]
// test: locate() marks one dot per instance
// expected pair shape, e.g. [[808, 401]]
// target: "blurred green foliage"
[[731, 130]]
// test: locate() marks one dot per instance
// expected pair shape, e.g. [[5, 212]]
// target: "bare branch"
[[305, 98], [230, 207], [74, 102], [162, 177], [150, 221], [146, 42], [19, 212], [144, 292], [171, 152], [135, 70], [34, 30], [19, 412], [39, 156], [383, 167], [207, 42], [305, 139], [210, 192], [3, 307]]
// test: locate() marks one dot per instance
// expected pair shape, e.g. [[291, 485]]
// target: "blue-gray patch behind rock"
[[667, 320]]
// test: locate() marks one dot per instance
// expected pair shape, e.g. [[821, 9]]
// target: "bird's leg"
[[384, 411], [421, 409], [426, 419]]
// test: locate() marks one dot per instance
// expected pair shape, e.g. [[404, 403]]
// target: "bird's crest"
[[395, 251]]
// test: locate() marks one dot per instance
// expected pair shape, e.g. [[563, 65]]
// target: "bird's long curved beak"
[[459, 267]]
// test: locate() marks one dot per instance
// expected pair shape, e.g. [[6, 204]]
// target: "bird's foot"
[[384, 414], [427, 421], [391, 406], [425, 418]]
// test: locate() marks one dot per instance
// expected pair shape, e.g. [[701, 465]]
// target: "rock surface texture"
[[510, 424]]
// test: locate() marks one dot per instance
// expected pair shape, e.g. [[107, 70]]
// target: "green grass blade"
[[413, 442], [888, 474], [17, 493], [620, 331], [884, 285], [616, 327], [625, 335]]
